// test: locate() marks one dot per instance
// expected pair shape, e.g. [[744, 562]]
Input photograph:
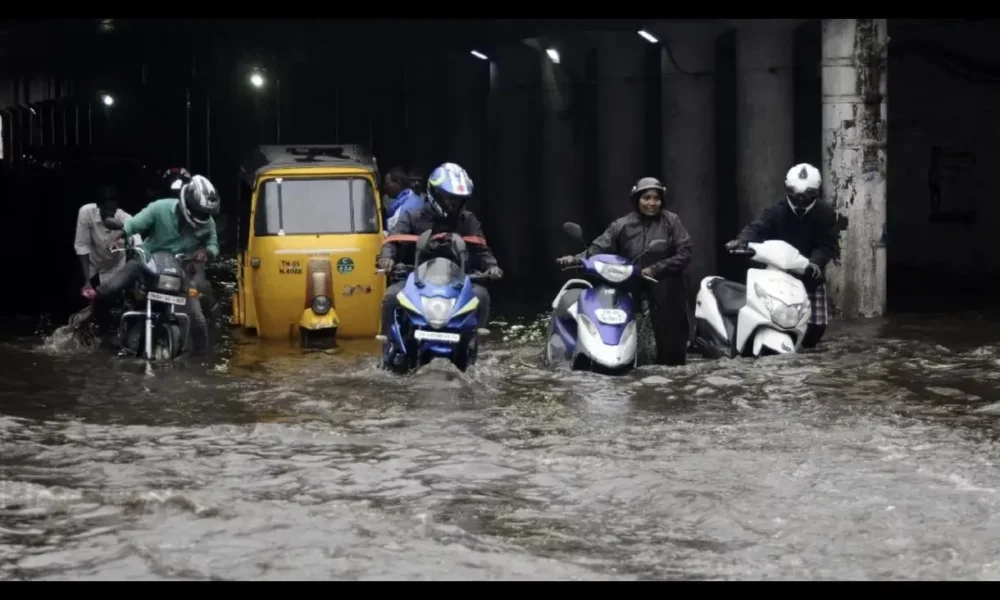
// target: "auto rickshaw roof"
[[264, 159]]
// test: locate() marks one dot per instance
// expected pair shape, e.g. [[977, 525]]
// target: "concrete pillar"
[[688, 105], [621, 105], [854, 159], [468, 86], [764, 114], [561, 149], [514, 158]]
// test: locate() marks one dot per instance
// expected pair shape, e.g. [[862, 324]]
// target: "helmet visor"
[[802, 200]]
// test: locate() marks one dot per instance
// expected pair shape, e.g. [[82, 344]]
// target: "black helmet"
[[199, 201], [644, 185], [174, 179]]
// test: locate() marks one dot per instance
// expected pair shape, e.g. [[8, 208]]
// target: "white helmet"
[[198, 201], [802, 188]]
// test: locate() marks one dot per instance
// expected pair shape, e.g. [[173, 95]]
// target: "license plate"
[[611, 316], [178, 300], [436, 336]]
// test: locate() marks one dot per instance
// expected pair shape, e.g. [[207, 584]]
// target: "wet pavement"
[[873, 458]]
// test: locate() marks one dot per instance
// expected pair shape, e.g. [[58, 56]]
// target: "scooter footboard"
[[777, 341]]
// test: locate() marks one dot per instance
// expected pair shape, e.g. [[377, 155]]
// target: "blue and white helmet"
[[449, 187]]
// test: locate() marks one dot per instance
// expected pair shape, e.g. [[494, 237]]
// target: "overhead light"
[[107, 99], [553, 55], [479, 55], [648, 36], [257, 80]]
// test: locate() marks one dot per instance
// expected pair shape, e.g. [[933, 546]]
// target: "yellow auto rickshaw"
[[308, 245]]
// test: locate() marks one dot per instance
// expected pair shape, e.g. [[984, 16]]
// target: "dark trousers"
[[670, 319], [390, 303]]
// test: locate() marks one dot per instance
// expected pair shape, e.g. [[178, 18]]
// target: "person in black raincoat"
[[628, 237]]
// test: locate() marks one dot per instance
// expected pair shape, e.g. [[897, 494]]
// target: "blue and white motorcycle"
[[596, 327], [438, 310]]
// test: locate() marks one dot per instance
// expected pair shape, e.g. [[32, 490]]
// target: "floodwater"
[[874, 458]]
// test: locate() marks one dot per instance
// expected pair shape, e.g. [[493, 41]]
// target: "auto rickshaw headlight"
[[321, 305]]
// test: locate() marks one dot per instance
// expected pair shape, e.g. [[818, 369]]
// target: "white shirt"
[[92, 238]]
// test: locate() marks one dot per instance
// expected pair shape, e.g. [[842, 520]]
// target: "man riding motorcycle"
[[805, 221], [449, 187], [178, 226], [628, 237]]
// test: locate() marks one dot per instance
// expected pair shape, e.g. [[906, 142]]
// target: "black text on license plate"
[[178, 300], [436, 336]]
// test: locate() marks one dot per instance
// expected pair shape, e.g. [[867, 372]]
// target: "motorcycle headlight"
[[613, 273], [168, 283], [786, 316], [321, 305], [437, 310]]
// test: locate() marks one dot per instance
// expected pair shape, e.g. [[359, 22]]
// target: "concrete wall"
[[932, 107]]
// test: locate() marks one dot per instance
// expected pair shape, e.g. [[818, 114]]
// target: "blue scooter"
[[596, 327], [437, 314]]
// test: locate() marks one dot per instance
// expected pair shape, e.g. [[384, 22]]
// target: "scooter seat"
[[566, 301], [730, 295]]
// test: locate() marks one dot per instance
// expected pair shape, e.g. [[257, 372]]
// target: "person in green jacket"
[[178, 226]]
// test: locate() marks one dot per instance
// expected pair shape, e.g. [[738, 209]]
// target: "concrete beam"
[[854, 85]]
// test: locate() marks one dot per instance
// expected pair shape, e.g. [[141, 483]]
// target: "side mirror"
[[423, 240], [459, 243], [657, 245], [113, 224], [573, 230]]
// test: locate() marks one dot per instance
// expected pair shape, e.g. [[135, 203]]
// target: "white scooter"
[[767, 315]]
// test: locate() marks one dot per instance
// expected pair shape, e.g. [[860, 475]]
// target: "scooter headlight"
[[437, 310], [613, 273], [786, 316], [321, 305]]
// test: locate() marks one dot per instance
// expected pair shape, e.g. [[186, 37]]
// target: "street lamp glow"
[[479, 55], [648, 36], [257, 80], [107, 99], [553, 55]]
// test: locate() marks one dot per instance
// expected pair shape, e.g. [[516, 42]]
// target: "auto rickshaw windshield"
[[301, 206]]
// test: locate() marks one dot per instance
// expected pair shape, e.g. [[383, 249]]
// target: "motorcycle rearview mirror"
[[423, 240], [653, 246], [573, 230], [113, 224]]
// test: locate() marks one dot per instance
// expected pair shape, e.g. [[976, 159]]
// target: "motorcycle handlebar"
[[405, 269]]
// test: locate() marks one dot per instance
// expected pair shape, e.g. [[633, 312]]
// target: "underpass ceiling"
[[38, 44]]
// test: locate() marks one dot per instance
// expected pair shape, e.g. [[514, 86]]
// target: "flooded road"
[[875, 458]]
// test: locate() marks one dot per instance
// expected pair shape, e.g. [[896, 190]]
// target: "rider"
[[628, 237], [803, 220], [402, 191], [93, 234], [178, 226], [448, 189]]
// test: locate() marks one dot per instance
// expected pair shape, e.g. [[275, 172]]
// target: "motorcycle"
[[598, 326], [159, 332], [437, 314], [768, 315]]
